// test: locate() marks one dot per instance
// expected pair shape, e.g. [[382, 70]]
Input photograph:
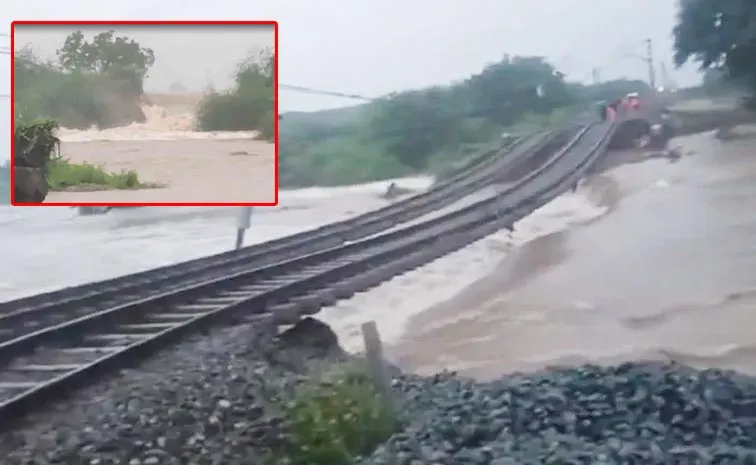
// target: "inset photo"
[[144, 113]]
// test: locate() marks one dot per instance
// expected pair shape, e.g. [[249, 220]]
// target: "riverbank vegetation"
[[86, 86], [63, 175], [93, 83], [249, 105], [426, 130], [37, 146], [719, 36]]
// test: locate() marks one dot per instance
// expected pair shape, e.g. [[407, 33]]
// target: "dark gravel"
[[208, 401], [213, 401], [634, 413]]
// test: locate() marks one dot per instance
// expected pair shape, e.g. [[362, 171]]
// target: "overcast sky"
[[372, 47], [190, 55]]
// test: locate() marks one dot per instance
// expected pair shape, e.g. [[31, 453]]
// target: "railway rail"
[[456, 185], [38, 366], [32, 313]]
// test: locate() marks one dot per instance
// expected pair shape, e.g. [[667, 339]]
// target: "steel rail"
[[87, 298], [83, 290], [40, 366], [32, 319]]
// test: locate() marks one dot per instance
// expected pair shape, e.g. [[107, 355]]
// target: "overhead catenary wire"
[[310, 90]]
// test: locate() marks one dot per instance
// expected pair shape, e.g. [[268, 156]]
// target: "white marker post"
[[376, 363], [243, 221]]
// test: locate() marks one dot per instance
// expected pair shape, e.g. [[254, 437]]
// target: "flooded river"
[[667, 272]]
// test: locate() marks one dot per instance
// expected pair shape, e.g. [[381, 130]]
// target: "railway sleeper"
[[309, 304], [286, 314], [165, 318], [105, 339], [37, 373], [63, 356], [137, 328], [323, 235]]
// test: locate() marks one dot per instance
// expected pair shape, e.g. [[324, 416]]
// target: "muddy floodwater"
[[167, 153], [668, 272], [646, 260]]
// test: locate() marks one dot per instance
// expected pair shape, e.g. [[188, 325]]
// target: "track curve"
[[54, 307], [37, 366]]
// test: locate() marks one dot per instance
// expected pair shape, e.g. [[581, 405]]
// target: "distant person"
[[612, 109], [611, 114]]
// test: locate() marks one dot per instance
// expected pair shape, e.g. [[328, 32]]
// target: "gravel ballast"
[[634, 413], [213, 401]]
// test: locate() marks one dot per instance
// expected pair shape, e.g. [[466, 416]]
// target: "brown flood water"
[[192, 167], [191, 171], [668, 273]]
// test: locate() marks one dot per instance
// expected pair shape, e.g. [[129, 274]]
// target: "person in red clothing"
[[611, 113]]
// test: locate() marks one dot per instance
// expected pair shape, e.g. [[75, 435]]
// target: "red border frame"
[[143, 23]]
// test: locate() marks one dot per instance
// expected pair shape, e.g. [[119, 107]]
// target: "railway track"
[[38, 366], [457, 185], [21, 316]]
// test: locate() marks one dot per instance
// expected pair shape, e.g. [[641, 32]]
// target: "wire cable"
[[310, 90]]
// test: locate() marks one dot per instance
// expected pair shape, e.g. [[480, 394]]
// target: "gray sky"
[[372, 47], [186, 54]]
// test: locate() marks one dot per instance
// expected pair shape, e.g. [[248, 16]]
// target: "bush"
[[62, 174], [248, 106], [267, 127], [335, 421], [36, 143], [37, 146]]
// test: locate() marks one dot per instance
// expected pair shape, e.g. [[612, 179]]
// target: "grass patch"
[[335, 421], [62, 175]]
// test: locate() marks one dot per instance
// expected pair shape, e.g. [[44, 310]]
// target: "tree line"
[[426, 129], [719, 35], [100, 82]]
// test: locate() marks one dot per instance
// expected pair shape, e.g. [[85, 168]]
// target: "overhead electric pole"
[[650, 62], [595, 73]]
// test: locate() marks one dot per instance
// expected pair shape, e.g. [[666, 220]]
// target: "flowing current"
[[191, 166], [647, 260]]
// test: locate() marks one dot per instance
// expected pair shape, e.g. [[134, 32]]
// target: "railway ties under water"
[[38, 365]]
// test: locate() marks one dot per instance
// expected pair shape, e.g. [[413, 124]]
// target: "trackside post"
[[243, 220], [376, 363]]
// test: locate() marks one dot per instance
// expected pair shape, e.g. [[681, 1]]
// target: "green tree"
[[411, 126], [417, 126], [505, 91], [718, 34], [117, 57], [249, 105]]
